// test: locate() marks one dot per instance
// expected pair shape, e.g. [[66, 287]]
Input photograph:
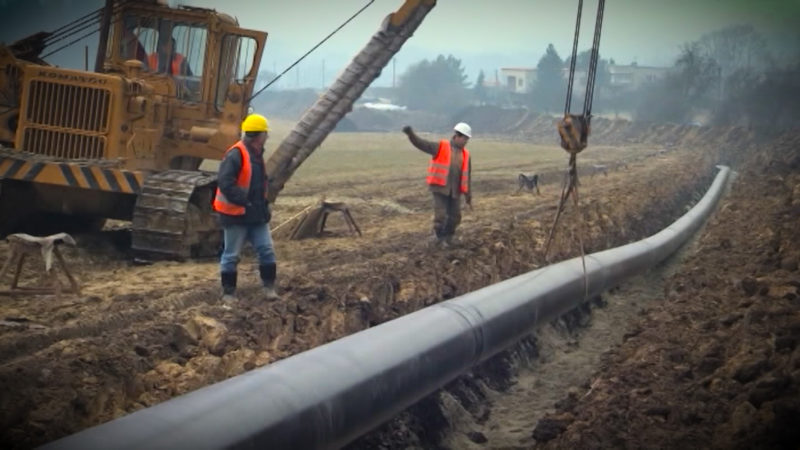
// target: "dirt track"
[[142, 334]]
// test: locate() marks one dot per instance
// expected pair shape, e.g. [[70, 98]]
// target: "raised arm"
[[426, 146]]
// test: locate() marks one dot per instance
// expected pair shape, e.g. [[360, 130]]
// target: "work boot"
[[268, 273], [436, 241], [451, 241], [228, 286]]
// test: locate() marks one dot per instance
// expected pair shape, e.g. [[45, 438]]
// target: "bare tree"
[[736, 47], [695, 73]]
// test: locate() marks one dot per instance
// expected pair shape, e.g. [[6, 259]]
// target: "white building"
[[518, 79], [634, 76]]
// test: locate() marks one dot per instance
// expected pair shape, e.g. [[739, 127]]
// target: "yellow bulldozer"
[[170, 89]]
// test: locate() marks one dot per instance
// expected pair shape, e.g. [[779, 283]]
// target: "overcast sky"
[[485, 34]]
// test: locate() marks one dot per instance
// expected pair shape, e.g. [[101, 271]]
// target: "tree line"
[[728, 76]]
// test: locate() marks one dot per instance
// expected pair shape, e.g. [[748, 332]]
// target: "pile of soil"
[[716, 364], [366, 119]]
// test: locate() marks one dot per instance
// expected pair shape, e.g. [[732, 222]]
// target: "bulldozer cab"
[[126, 141], [210, 61]]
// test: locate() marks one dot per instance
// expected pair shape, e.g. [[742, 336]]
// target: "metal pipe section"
[[330, 395]]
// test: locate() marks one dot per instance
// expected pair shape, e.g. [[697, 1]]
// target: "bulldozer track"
[[173, 217]]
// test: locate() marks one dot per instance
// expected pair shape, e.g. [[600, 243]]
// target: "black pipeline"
[[330, 395]]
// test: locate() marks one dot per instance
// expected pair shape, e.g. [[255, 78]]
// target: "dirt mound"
[[366, 119], [717, 364], [540, 128], [287, 104]]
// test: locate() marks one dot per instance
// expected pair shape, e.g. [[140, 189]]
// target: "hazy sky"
[[485, 34]]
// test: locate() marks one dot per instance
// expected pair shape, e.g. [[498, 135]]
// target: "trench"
[[499, 403]]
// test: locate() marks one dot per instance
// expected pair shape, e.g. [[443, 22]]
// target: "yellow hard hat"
[[255, 123]]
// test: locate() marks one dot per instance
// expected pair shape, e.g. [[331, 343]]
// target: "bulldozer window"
[[130, 44], [236, 65], [190, 44]]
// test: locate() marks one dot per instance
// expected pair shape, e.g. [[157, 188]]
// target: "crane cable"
[[571, 124], [571, 78], [591, 74], [595, 57], [88, 21], [309, 52]]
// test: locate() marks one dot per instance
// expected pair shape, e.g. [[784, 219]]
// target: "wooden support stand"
[[313, 223], [20, 246]]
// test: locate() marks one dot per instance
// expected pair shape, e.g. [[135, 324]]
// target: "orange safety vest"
[[439, 167], [175, 67], [222, 204]]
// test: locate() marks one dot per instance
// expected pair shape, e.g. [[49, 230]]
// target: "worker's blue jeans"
[[235, 236]]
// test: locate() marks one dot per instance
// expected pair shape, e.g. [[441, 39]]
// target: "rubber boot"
[[268, 273], [228, 286]]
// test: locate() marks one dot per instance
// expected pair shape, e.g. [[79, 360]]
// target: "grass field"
[[349, 158]]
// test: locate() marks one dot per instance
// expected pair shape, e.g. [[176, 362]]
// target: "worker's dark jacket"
[[256, 209]]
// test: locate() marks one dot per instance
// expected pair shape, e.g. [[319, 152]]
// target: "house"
[[634, 76], [518, 79]]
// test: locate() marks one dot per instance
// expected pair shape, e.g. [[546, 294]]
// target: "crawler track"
[[173, 217]]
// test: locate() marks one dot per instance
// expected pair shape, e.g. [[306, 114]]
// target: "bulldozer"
[[170, 89]]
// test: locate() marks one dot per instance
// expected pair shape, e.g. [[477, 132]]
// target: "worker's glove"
[[407, 129]]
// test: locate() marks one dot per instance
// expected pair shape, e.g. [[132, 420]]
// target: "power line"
[[312, 49]]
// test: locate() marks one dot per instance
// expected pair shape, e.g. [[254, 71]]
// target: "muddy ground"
[[139, 335]]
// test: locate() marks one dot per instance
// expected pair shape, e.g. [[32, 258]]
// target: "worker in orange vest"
[[167, 60], [448, 179], [241, 201]]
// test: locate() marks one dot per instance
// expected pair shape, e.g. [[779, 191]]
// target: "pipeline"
[[328, 396]]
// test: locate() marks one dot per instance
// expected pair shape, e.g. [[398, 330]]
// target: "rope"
[[309, 52], [293, 217]]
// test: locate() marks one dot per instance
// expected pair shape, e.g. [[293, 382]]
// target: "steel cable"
[[312, 49]]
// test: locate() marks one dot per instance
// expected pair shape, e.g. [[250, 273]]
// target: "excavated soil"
[[727, 328]]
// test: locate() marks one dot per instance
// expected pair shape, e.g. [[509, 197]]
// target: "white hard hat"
[[464, 129]]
